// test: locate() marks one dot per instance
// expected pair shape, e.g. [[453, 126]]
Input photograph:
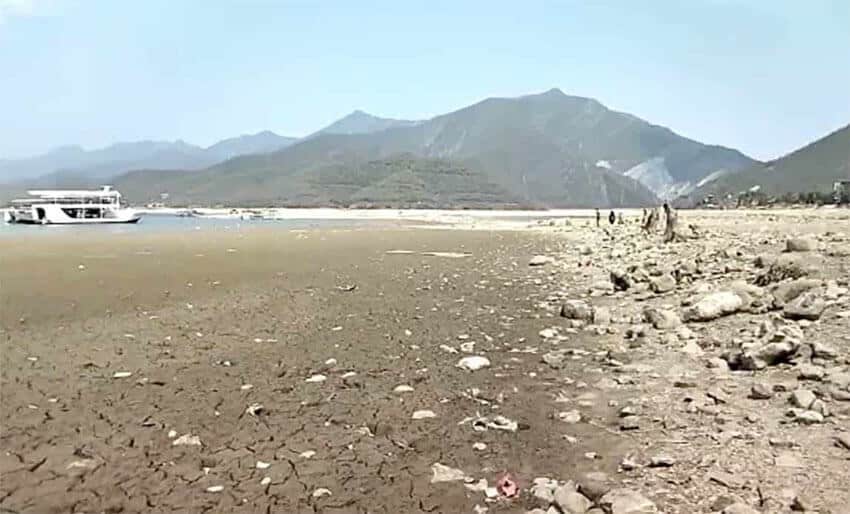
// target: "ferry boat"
[[71, 207]]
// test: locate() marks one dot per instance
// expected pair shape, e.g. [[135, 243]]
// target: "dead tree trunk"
[[671, 218]]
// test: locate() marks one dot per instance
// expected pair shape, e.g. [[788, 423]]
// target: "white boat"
[[66, 207]]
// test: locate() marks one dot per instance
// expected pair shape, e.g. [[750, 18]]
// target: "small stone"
[[318, 493], [843, 441], [725, 479], [713, 306], [630, 423], [423, 414], [571, 501], [263, 465], [473, 363], [661, 319], [662, 461], [626, 501], [662, 284], [570, 417], [122, 374], [187, 440], [800, 244], [266, 481], [761, 392], [594, 485], [802, 398], [807, 306], [215, 488], [540, 260], [315, 379], [811, 372], [808, 417], [479, 447], [443, 473], [576, 309], [403, 389], [628, 464], [802, 504]]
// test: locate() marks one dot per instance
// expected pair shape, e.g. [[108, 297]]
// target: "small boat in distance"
[[71, 207]]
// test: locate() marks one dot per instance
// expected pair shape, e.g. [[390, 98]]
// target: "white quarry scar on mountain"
[[653, 174]]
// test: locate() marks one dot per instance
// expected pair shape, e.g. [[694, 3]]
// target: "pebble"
[[761, 392], [318, 493], [215, 488], [473, 363], [315, 379], [403, 389], [662, 461], [423, 414]]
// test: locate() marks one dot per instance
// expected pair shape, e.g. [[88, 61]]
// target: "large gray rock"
[[713, 306], [785, 292], [802, 398], [662, 284], [801, 244], [577, 309], [661, 319], [626, 501], [769, 354], [571, 501], [808, 305]]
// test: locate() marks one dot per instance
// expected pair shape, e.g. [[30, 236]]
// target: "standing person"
[[612, 218], [598, 217]]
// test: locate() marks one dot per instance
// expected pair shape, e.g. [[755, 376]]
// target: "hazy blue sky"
[[762, 76]]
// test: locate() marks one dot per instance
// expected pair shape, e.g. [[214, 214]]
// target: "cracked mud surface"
[[220, 333]]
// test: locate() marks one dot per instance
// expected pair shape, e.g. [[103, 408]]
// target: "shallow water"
[[154, 223]]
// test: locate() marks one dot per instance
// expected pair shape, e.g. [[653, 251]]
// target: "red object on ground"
[[507, 486]]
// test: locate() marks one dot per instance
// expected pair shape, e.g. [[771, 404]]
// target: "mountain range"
[[813, 168], [542, 150]]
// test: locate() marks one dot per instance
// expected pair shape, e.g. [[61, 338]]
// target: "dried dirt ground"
[[281, 353]]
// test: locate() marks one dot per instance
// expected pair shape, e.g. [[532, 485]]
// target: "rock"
[[473, 363], [544, 489], [692, 348], [761, 392], [570, 417], [571, 501], [769, 354], [843, 441], [807, 417], [802, 398], [802, 504], [577, 309], [714, 306], [811, 372], [423, 414], [824, 351], [601, 316], [785, 292], [443, 473], [661, 461], [621, 280], [626, 501], [630, 423], [662, 284], [554, 359], [403, 388], [540, 260], [661, 319], [725, 479], [320, 492], [718, 364], [187, 440], [808, 306], [594, 485], [800, 244], [740, 508]]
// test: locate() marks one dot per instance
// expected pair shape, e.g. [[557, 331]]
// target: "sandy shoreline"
[[113, 347]]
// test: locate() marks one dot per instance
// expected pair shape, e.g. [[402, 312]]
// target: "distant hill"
[[359, 122], [548, 149], [813, 168], [72, 164], [400, 181], [261, 142]]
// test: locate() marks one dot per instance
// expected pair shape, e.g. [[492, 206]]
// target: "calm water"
[[165, 223]]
